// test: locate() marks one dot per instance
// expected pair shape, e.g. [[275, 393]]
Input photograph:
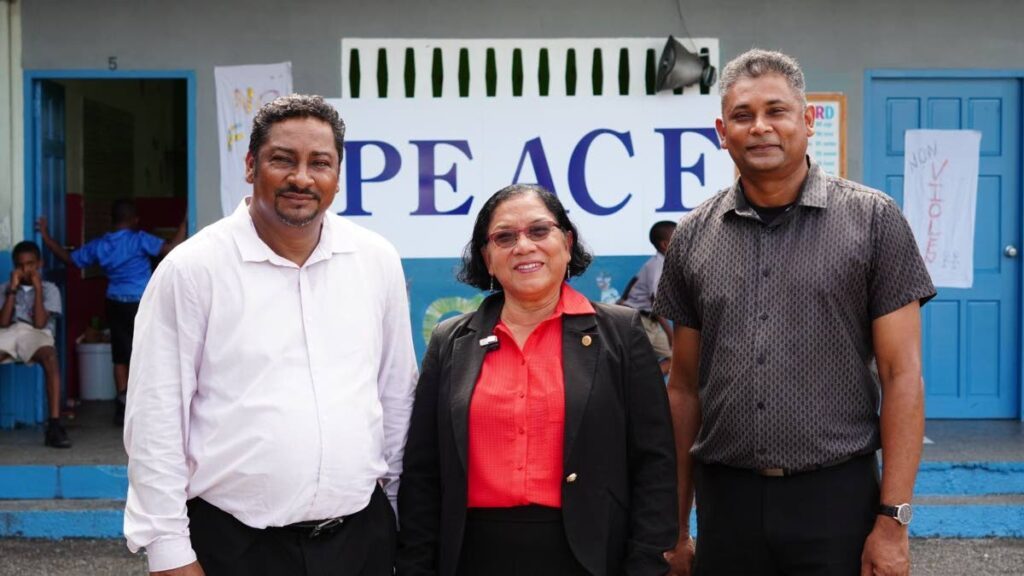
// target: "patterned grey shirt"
[[785, 311]]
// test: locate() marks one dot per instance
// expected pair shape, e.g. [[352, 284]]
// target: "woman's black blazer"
[[619, 501]]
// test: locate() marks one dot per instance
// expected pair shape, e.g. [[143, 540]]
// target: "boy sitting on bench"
[[27, 322]]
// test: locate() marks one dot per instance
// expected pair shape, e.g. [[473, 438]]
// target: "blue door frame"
[[33, 76], [872, 127], [19, 396]]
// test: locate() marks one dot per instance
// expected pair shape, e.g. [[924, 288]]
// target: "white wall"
[[11, 159]]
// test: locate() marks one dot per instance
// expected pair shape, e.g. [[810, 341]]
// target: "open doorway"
[[96, 138]]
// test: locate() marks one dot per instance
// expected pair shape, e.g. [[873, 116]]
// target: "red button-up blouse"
[[517, 416]]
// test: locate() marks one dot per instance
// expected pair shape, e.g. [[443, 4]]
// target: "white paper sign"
[[418, 171], [241, 90], [940, 191]]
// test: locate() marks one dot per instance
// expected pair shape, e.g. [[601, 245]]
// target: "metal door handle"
[[1010, 251]]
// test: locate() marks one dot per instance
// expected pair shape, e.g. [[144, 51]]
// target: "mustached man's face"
[[295, 173], [765, 126]]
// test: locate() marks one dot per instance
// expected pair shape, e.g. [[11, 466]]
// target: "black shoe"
[[56, 436], [118, 413]]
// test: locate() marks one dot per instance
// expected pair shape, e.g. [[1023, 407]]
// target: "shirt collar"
[[572, 302], [813, 192], [335, 238]]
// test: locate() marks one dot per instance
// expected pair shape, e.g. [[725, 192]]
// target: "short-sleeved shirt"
[[641, 295], [124, 256], [25, 300], [784, 313]]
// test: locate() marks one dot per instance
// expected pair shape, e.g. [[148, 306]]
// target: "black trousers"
[[813, 523], [523, 541], [121, 320], [364, 545]]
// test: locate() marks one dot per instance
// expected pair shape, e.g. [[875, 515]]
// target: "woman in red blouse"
[[540, 441]]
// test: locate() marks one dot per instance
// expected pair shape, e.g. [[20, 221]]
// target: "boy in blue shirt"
[[124, 254]]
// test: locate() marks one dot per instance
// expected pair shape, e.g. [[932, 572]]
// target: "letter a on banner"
[[940, 192], [241, 91]]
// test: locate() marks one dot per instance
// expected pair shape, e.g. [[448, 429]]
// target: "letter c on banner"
[[578, 176], [354, 173]]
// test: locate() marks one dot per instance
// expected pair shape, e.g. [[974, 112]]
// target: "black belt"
[[314, 528], [648, 314], [783, 472]]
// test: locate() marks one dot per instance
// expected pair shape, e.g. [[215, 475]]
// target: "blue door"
[[48, 154], [22, 398], [970, 336]]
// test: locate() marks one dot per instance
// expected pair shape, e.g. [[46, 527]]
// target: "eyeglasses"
[[508, 237]]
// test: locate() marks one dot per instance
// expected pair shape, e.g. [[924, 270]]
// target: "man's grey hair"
[[755, 63]]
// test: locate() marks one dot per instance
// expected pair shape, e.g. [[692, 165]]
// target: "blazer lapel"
[[581, 345], [467, 360]]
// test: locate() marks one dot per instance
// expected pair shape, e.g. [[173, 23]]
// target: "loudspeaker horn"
[[678, 68]]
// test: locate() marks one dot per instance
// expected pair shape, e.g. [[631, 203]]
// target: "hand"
[[193, 569], [887, 550], [15, 279], [37, 280], [41, 226], [680, 559]]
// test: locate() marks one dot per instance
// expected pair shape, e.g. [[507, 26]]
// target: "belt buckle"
[[772, 472], [326, 525]]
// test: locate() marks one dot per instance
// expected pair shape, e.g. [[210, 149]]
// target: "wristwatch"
[[902, 513]]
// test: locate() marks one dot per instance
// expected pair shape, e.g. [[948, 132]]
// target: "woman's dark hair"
[[474, 270]]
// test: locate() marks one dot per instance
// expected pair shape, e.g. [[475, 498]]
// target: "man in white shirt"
[[272, 377], [640, 294]]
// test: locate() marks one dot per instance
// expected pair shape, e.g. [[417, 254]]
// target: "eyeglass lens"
[[535, 232]]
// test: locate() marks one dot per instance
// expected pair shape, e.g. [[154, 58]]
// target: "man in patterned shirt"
[[783, 289]]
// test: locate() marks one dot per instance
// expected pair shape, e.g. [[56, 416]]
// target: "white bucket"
[[95, 371]]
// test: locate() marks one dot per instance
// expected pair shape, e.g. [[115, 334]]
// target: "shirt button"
[[522, 431], [571, 478], [760, 405], [520, 467], [764, 315], [522, 394]]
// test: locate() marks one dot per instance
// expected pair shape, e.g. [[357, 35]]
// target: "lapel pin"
[[587, 340]]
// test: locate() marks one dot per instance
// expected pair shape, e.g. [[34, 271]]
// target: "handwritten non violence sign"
[[940, 191]]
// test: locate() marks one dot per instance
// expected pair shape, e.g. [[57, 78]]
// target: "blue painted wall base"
[[60, 482], [929, 522]]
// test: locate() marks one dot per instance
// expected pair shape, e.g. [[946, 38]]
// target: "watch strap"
[[894, 512], [890, 511]]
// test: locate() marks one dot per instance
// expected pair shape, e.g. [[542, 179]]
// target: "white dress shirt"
[[275, 392]]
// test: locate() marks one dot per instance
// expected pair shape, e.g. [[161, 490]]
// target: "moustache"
[[296, 190]]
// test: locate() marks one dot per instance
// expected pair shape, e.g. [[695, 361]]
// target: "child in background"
[[124, 255], [27, 322]]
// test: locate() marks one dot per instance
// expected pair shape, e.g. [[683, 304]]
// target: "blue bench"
[[22, 396]]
